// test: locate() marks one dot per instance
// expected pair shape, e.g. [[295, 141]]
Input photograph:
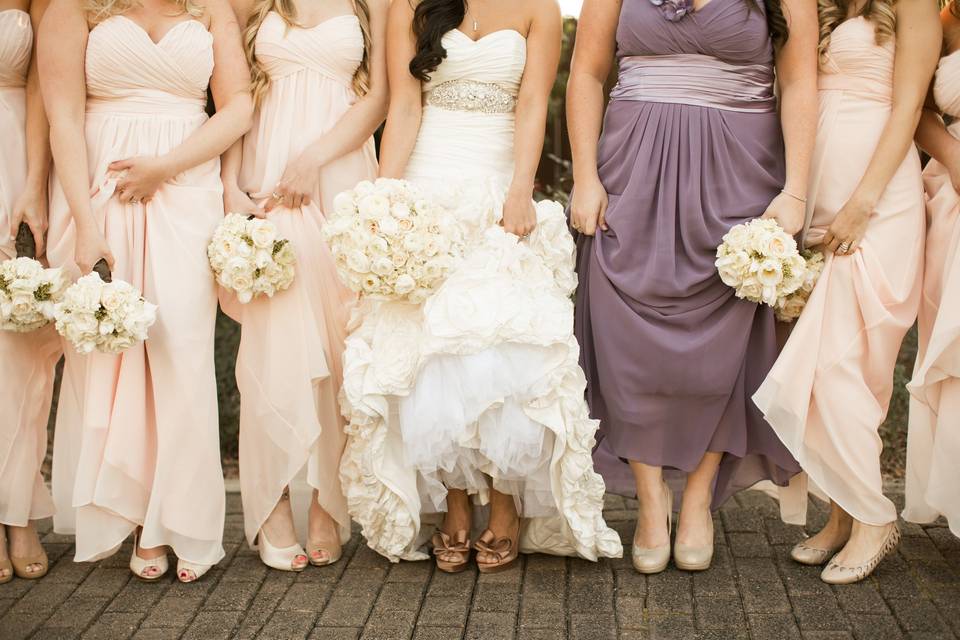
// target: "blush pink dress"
[[137, 434], [933, 440], [27, 360], [289, 368], [829, 391]]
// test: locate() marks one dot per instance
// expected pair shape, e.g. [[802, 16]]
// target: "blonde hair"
[[287, 10], [834, 12], [100, 10]]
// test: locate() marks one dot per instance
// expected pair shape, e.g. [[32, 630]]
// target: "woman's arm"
[[932, 134], [918, 48], [352, 130], [235, 200], [406, 101], [61, 51], [592, 60], [543, 55], [797, 77], [230, 85], [31, 204]]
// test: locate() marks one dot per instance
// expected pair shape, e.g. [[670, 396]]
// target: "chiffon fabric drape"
[[289, 367], [691, 147], [830, 389], [137, 440], [27, 360], [933, 439]]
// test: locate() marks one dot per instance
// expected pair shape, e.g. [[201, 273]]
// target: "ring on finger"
[[277, 196], [844, 247]]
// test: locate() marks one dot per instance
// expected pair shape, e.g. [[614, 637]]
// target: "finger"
[[827, 238], [854, 246], [306, 200], [270, 204], [295, 201], [590, 227], [38, 236], [602, 218], [121, 165]]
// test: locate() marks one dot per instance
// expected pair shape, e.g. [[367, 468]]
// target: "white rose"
[[263, 233], [343, 204], [358, 261], [405, 284], [363, 188], [382, 266], [769, 273], [389, 226], [373, 207], [400, 211], [413, 242]]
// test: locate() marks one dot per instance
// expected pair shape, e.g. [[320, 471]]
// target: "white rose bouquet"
[[107, 316], [391, 241], [761, 262], [28, 294], [789, 307], [249, 258]]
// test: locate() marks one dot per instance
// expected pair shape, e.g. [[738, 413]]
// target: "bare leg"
[[504, 521], [459, 517], [865, 542], [835, 533], [279, 529], [695, 526], [323, 532], [25, 542], [651, 531]]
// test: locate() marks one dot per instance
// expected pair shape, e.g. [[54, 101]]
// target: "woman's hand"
[[952, 164], [236, 200], [31, 207], [519, 213], [91, 248], [294, 189], [141, 177], [789, 212], [588, 207], [848, 228]]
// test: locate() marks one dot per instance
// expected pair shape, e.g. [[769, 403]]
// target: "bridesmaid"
[[933, 441], [124, 83], [691, 146], [27, 360], [319, 81], [829, 391]]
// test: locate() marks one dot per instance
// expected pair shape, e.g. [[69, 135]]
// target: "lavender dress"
[[691, 146]]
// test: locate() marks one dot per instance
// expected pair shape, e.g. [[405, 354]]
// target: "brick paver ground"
[[752, 591]]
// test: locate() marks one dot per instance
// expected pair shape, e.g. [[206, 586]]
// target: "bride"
[[471, 404]]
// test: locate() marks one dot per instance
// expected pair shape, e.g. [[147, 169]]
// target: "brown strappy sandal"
[[458, 545], [506, 550]]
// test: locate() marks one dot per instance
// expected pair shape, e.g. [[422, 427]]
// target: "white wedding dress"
[[482, 380]]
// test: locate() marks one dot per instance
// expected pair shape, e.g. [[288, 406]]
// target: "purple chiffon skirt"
[[672, 357]]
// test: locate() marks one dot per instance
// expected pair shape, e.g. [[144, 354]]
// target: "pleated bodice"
[[16, 41]]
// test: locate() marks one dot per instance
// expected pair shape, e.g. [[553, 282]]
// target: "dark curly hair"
[[432, 19]]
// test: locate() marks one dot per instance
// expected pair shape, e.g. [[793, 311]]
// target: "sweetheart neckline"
[[322, 22], [159, 43], [485, 36]]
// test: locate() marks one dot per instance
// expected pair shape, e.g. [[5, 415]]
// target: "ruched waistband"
[[157, 105], [868, 87], [697, 80]]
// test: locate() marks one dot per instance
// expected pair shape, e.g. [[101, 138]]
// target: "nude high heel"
[[457, 546], [140, 565], [5, 564], [284, 559], [654, 560], [505, 550], [690, 558], [190, 572], [333, 551]]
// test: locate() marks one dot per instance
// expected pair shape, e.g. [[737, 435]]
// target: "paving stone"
[[495, 597], [452, 584], [862, 597], [542, 612], [437, 633], [741, 520], [541, 634], [484, 625], [113, 626], [819, 613], [212, 625], [593, 626], [104, 582], [389, 625], [917, 615], [875, 627], [827, 635], [416, 572], [174, 612], [630, 612], [749, 545], [44, 598], [77, 613], [443, 611], [288, 625], [547, 583], [136, 596], [335, 633], [588, 596], [231, 596], [778, 626], [168, 633], [304, 596], [346, 611], [672, 627], [21, 625], [719, 613], [764, 597], [629, 582]]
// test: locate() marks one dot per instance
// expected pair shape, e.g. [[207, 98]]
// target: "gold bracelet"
[[793, 195]]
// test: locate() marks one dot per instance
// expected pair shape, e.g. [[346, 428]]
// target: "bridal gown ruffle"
[[933, 439], [483, 377], [137, 439], [830, 389], [27, 360], [289, 369]]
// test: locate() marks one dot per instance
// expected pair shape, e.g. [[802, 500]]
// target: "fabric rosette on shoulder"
[[109, 317], [249, 258], [391, 240], [29, 293], [763, 264]]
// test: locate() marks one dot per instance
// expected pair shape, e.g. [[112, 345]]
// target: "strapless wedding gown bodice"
[[467, 125]]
